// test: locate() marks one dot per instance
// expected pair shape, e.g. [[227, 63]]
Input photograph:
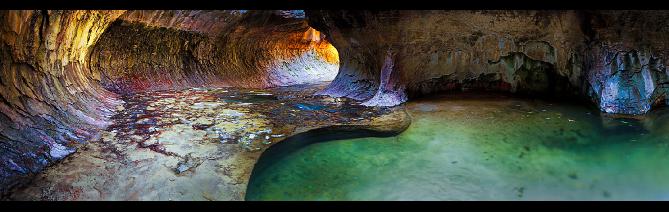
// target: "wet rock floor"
[[194, 144]]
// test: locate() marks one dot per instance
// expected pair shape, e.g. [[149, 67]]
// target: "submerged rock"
[[202, 123], [216, 147], [308, 107], [188, 164]]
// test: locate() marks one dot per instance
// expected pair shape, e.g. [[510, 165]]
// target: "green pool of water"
[[460, 148]]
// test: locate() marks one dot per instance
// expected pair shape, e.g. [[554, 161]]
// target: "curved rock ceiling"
[[61, 72]]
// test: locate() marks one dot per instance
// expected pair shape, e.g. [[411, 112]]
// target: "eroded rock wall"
[[614, 58], [389, 55], [49, 100], [132, 57], [251, 49], [208, 22], [629, 53], [271, 48], [61, 71]]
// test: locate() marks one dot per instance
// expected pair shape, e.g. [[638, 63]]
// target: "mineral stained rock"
[[61, 72], [177, 161], [154, 50], [49, 100], [615, 59]]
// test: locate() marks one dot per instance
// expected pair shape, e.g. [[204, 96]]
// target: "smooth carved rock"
[[57, 69], [615, 59]]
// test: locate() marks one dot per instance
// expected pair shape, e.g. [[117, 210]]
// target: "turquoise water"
[[479, 148]]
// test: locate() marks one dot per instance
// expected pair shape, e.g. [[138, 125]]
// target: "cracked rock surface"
[[197, 144], [62, 72]]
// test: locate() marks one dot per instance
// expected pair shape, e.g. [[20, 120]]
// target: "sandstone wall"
[[49, 98], [613, 58], [61, 71], [252, 49]]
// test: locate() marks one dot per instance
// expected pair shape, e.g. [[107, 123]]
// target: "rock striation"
[[61, 72], [615, 59], [49, 100]]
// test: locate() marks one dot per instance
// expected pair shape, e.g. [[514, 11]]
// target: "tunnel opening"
[[257, 50], [101, 69]]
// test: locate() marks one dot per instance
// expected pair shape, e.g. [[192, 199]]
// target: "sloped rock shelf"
[[197, 144]]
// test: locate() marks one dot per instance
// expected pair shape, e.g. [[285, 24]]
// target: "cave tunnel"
[[258, 104]]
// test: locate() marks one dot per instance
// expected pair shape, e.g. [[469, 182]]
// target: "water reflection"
[[482, 148]]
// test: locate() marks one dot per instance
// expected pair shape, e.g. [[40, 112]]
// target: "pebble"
[[182, 168], [136, 138], [202, 123]]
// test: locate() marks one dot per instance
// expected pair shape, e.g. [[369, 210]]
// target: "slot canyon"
[[334, 105]]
